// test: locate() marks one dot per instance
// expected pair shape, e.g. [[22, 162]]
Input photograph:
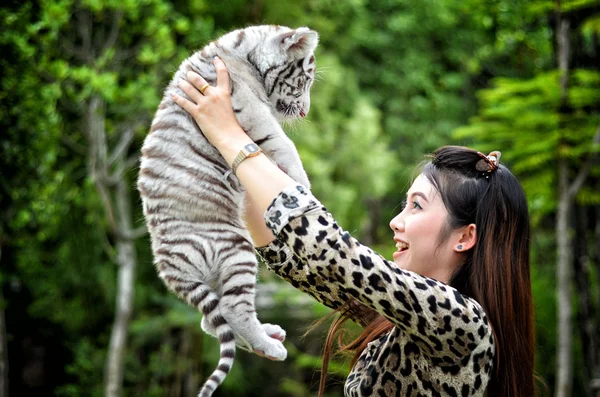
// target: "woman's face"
[[416, 234]]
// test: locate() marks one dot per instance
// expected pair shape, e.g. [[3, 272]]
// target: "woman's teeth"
[[401, 246]]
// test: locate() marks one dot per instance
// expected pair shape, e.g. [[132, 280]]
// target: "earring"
[[459, 247]]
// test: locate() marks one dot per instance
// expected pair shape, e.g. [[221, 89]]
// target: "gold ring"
[[203, 88]]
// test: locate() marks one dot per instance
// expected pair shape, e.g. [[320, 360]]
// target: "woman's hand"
[[212, 108]]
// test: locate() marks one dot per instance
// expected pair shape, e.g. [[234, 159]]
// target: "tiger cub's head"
[[287, 64]]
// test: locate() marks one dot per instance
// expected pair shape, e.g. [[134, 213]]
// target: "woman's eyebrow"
[[418, 194]]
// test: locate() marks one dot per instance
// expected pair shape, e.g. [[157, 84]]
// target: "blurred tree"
[[3, 346], [28, 151], [80, 47], [84, 45], [550, 127]]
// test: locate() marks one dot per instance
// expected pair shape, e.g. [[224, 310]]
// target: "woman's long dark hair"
[[495, 273]]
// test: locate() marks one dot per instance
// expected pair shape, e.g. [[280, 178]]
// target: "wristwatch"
[[250, 150]]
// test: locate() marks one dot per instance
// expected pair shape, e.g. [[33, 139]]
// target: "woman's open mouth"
[[401, 247]]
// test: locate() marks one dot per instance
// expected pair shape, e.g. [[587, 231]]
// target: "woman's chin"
[[399, 256], [400, 260]]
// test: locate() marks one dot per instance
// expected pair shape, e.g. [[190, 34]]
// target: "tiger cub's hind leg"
[[238, 283], [274, 331]]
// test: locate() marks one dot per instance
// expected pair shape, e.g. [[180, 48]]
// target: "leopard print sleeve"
[[317, 256], [280, 259]]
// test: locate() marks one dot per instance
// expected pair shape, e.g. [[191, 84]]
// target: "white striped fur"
[[201, 248]]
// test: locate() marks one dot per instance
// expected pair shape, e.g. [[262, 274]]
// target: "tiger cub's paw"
[[272, 349], [274, 331]]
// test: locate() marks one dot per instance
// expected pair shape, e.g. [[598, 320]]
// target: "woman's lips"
[[397, 254]]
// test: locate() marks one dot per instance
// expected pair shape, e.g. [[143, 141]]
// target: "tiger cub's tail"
[[208, 307]]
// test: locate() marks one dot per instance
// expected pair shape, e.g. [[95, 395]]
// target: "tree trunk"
[[563, 281], [369, 229], [194, 378], [586, 312], [118, 337], [564, 370], [115, 194], [126, 258], [177, 386], [3, 347]]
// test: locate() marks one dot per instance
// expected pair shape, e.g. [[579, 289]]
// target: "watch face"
[[251, 148]]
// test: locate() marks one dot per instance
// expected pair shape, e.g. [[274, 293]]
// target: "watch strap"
[[250, 150]]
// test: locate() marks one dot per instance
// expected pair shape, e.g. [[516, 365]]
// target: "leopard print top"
[[441, 345]]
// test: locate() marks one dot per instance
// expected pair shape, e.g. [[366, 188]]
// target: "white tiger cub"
[[193, 205]]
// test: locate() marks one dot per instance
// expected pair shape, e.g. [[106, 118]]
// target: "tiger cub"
[[192, 203]]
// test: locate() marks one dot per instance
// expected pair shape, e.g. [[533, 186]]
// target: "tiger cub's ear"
[[298, 43]]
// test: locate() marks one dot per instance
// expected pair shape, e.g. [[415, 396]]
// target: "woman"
[[451, 315]]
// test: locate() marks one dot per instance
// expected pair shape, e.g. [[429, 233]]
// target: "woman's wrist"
[[230, 147]]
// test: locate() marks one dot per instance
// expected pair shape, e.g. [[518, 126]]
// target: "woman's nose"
[[397, 224]]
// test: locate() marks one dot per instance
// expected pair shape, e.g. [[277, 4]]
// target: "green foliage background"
[[397, 78]]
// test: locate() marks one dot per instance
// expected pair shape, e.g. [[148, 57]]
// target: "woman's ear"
[[467, 237]]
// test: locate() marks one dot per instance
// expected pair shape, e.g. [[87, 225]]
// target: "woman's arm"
[[445, 324], [213, 112], [255, 223]]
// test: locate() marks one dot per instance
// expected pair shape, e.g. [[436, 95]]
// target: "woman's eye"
[[413, 204]]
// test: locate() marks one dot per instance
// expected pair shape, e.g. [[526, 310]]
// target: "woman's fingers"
[[195, 86], [192, 86], [212, 111], [188, 106], [222, 74]]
